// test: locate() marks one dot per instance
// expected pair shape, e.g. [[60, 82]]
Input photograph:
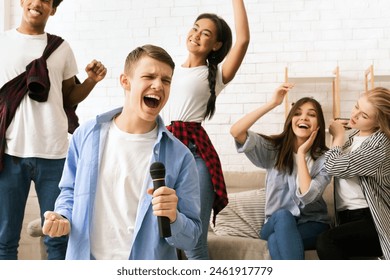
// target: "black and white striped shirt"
[[371, 162]]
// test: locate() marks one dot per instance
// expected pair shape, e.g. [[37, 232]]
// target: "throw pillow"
[[243, 216]]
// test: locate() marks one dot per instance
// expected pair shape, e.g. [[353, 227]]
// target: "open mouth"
[[152, 101], [303, 126]]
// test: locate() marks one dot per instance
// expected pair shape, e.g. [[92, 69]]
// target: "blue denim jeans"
[[288, 240], [15, 181], [201, 251]]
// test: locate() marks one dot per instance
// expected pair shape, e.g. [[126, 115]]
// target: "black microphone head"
[[157, 170]]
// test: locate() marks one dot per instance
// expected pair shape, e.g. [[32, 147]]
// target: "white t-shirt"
[[125, 163], [38, 129], [189, 94], [349, 194]]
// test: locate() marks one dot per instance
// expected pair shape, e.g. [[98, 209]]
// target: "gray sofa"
[[234, 247]]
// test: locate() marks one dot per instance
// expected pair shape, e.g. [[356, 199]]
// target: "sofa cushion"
[[243, 216], [237, 248]]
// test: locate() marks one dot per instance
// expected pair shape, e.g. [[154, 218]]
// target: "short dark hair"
[[152, 51], [56, 3]]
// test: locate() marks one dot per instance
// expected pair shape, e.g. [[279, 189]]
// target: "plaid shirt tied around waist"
[[193, 131]]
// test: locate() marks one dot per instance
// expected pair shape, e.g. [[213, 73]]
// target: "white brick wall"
[[310, 37]]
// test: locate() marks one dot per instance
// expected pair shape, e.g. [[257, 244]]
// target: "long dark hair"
[[284, 142], [224, 35]]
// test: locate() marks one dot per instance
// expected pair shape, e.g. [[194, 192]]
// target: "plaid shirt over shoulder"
[[34, 82]]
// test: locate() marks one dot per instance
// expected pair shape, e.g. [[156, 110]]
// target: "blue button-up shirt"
[[78, 189], [281, 187]]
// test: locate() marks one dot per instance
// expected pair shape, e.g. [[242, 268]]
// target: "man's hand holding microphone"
[[164, 203]]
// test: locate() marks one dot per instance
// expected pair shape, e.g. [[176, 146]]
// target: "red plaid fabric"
[[193, 131]]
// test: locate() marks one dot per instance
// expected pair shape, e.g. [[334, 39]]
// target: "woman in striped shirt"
[[361, 169]]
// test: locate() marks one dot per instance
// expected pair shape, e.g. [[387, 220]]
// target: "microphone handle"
[[164, 225]]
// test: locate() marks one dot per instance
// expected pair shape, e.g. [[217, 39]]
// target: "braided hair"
[[224, 35]]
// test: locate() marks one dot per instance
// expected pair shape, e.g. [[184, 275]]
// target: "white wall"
[[4, 14], [310, 37]]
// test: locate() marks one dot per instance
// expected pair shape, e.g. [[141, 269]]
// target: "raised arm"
[[240, 128], [238, 51], [75, 93]]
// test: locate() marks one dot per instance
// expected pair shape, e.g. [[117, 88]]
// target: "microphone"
[[157, 172]]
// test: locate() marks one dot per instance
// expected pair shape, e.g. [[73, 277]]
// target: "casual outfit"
[[121, 173], [292, 220], [87, 179], [34, 82], [36, 139], [184, 113], [362, 174], [194, 136]]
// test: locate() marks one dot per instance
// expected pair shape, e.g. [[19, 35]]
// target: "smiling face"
[[304, 121], [202, 38], [147, 87], [35, 15], [363, 117]]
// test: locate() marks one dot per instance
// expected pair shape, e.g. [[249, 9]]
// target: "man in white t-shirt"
[[107, 204], [35, 141]]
